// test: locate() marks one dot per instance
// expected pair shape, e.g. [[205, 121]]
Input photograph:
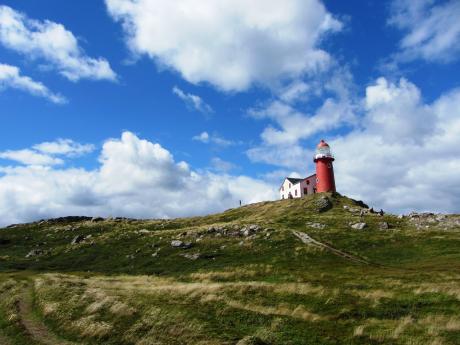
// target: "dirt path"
[[305, 238], [34, 327]]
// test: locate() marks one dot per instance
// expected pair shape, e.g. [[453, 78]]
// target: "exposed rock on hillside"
[[431, 220], [323, 204], [359, 226]]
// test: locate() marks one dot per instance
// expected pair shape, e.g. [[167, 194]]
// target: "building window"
[[305, 191], [295, 192], [308, 182], [290, 185]]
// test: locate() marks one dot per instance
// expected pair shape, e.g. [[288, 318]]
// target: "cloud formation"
[[193, 101], [53, 43], [135, 178], [432, 29], [230, 44], [10, 77], [207, 138], [48, 153]]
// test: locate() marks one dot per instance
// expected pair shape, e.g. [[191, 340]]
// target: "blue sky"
[[225, 98]]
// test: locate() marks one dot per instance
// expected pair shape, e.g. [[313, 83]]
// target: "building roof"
[[294, 180]]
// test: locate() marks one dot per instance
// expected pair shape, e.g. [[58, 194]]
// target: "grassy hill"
[[283, 272]]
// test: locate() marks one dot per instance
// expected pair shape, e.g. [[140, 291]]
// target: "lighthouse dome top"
[[323, 150]]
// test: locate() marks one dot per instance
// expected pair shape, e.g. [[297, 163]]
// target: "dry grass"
[[451, 288], [89, 327]]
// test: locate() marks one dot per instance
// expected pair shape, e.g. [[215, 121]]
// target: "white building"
[[297, 187]]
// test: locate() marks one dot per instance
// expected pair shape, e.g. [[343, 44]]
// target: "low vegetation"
[[239, 277]]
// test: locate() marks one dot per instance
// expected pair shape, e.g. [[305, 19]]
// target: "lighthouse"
[[323, 159]]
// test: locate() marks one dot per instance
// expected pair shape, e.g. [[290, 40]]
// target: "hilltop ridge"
[[318, 270]]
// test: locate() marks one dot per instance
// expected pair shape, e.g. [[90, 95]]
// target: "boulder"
[[193, 257], [315, 225], [359, 226], [384, 226], [323, 204], [35, 252], [254, 227], [180, 244], [78, 239], [177, 243]]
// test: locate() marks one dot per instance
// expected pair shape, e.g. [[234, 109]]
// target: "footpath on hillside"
[[34, 327], [305, 238]]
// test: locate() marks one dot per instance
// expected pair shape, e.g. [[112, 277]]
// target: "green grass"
[[111, 290]]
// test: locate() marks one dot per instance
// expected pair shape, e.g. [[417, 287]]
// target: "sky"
[[151, 108]]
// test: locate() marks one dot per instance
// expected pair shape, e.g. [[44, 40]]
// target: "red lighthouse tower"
[[325, 181]]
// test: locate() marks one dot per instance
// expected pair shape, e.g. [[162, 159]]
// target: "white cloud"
[[52, 42], [206, 138], [229, 43], [338, 108], [136, 178], [65, 147], [432, 30], [295, 125], [193, 101], [295, 91], [220, 165], [10, 77], [30, 157], [44, 154]]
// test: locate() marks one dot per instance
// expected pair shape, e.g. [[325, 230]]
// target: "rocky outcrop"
[[359, 226], [315, 225], [35, 252], [180, 244], [323, 204], [77, 239], [427, 220], [384, 226]]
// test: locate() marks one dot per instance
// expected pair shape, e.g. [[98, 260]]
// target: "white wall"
[[299, 188]]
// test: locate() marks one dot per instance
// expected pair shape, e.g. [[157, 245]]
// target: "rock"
[[323, 204], [180, 244], [35, 252], [254, 227], [441, 217], [359, 226], [249, 230], [384, 226], [401, 216], [78, 239], [194, 256], [177, 244], [316, 225], [144, 231]]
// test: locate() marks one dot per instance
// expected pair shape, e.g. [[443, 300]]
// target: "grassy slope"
[[111, 290]]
